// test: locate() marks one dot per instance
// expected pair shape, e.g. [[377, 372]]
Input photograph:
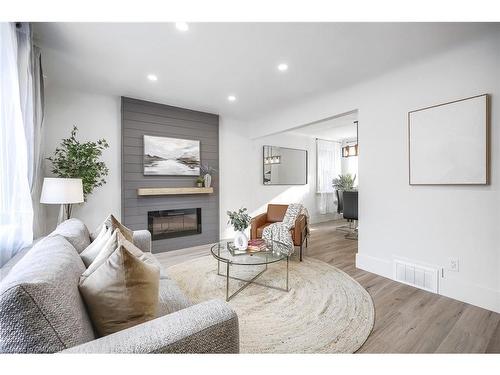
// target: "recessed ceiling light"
[[182, 26], [152, 77], [231, 98], [282, 67]]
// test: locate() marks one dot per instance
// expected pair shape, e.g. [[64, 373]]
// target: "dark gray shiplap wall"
[[141, 118]]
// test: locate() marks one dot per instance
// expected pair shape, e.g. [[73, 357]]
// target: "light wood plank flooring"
[[407, 320]]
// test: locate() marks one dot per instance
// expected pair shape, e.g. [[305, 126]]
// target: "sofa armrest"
[[257, 222], [208, 327], [142, 239]]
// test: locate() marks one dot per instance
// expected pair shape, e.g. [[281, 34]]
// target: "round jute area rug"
[[325, 311]]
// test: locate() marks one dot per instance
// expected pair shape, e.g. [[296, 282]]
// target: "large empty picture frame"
[[449, 143]]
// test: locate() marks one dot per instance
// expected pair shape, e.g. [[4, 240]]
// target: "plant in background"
[[344, 182], [207, 169], [240, 220], [73, 159], [199, 181]]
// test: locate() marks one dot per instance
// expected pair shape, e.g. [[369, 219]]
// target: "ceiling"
[[199, 68], [333, 129]]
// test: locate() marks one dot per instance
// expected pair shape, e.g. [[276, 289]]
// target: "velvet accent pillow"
[[113, 223], [89, 254], [121, 289]]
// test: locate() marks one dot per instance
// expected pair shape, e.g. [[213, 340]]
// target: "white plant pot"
[[240, 240], [208, 180]]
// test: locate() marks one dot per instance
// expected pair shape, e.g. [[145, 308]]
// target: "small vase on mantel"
[[208, 180], [240, 240]]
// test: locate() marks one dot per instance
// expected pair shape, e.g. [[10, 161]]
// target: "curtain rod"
[[327, 140]]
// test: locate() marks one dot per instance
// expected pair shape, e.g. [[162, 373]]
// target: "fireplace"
[[174, 223]]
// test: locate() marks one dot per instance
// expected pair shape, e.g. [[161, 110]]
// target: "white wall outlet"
[[453, 264]]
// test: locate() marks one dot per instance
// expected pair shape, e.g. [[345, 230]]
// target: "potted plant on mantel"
[[199, 181], [240, 221]]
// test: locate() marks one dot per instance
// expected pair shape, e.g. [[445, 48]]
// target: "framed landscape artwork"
[[448, 143], [165, 156]]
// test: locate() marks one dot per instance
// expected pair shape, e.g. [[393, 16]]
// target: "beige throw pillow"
[[89, 254], [120, 290], [112, 222]]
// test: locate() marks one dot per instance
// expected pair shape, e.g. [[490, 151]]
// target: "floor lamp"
[[63, 191]]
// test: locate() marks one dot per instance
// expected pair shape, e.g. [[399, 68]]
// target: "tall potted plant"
[[344, 182], [240, 221], [74, 159]]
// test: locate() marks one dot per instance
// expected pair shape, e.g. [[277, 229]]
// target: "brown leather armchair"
[[276, 213]]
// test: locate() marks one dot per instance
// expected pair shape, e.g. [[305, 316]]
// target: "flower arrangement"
[[240, 220]]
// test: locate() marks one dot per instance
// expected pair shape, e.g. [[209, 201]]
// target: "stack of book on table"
[[256, 245]]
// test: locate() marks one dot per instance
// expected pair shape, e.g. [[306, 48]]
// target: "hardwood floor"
[[407, 320]]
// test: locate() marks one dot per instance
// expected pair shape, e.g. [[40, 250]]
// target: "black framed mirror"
[[284, 166]]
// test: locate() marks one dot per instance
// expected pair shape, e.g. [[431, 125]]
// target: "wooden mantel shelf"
[[174, 191]]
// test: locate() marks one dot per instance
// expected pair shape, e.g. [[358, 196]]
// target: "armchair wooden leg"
[[300, 254]]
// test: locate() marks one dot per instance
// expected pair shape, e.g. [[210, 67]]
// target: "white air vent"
[[416, 275]]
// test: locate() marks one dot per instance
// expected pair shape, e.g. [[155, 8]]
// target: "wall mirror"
[[284, 166]]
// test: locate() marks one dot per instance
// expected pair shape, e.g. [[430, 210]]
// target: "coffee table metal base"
[[248, 282]]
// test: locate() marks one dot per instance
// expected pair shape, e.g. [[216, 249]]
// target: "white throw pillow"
[[90, 253]]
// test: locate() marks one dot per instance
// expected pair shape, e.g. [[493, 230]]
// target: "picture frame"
[[449, 143], [166, 156]]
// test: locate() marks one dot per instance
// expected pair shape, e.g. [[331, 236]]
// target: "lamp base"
[[64, 213]]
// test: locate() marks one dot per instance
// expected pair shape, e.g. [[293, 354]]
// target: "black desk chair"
[[350, 212]]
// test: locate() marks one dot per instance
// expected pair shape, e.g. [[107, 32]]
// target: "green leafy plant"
[[200, 180], [344, 182], [73, 159], [240, 220]]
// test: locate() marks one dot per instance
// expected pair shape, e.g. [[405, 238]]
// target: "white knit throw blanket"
[[280, 232]]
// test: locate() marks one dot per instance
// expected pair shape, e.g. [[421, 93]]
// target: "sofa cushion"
[[276, 212], [92, 251], [112, 222], [41, 310], [75, 232], [120, 288]]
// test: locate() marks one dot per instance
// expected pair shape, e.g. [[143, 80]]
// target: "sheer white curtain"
[[31, 91], [16, 211], [328, 167]]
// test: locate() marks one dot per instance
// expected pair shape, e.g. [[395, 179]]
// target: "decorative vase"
[[241, 240], [208, 180]]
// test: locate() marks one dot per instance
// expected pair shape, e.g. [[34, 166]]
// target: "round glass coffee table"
[[274, 252]]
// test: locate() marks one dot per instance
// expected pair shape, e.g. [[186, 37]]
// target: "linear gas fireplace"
[[174, 223]]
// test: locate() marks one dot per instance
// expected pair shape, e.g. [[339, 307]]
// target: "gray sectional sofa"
[[41, 310]]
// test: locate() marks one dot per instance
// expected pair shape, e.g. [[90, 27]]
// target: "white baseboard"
[[476, 295], [371, 264]]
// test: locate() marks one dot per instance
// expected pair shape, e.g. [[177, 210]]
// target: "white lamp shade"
[[62, 190]]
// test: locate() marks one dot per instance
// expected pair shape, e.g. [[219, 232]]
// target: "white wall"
[[241, 174], [424, 224], [427, 224], [96, 116]]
